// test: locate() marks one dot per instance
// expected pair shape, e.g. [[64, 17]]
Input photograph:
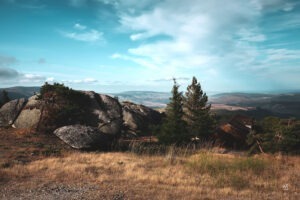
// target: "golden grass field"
[[68, 174]]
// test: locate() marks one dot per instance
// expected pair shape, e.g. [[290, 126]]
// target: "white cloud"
[[139, 61], [197, 32], [288, 7], [139, 36], [198, 36], [80, 81], [251, 35], [50, 79], [88, 36], [31, 78], [282, 54], [168, 79], [81, 34], [79, 26], [13, 77]]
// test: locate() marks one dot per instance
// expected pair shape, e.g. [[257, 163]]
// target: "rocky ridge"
[[104, 119]]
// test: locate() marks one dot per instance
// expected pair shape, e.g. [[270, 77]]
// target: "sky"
[[140, 45]]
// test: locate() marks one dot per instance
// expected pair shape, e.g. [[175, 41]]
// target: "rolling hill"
[[281, 105], [254, 104], [19, 92], [147, 98]]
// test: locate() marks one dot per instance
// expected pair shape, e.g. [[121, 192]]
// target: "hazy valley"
[[258, 105]]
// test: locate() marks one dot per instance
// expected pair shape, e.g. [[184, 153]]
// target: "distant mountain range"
[[19, 92], [147, 98], [257, 104], [281, 105]]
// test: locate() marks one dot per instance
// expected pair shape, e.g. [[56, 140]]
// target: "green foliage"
[[49, 91], [5, 98], [63, 106], [173, 130], [274, 134], [197, 111]]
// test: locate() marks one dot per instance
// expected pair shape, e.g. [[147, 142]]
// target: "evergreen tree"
[[173, 130], [197, 111], [5, 98], [272, 134]]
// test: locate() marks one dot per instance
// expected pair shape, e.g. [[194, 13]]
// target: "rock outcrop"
[[82, 119], [30, 115], [84, 137], [234, 133], [10, 111], [107, 113], [138, 119]]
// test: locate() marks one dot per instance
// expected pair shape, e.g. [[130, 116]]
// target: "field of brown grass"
[[62, 173]]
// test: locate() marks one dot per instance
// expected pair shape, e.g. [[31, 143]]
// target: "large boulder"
[[84, 137], [10, 111], [107, 113], [138, 119], [234, 133], [30, 115], [98, 110]]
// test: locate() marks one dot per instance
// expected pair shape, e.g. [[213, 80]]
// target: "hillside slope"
[[19, 92]]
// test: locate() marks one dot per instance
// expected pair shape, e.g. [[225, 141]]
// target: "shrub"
[[63, 106], [274, 134]]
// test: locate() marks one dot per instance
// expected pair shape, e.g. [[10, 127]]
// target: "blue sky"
[[121, 45]]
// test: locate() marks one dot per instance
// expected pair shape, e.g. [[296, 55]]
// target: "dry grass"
[[204, 175], [173, 175]]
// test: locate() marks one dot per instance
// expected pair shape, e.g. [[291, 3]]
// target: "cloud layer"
[[206, 36], [81, 34], [9, 75], [229, 45]]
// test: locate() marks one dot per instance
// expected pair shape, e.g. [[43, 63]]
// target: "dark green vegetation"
[[4, 98], [63, 106], [19, 92], [197, 112], [187, 116], [280, 105], [174, 128], [274, 134]]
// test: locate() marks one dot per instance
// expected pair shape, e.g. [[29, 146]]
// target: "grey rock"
[[10, 111], [83, 137], [111, 116], [107, 113], [102, 111], [30, 115], [138, 119]]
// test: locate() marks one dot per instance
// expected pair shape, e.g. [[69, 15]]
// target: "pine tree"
[[273, 135], [173, 129], [197, 111], [5, 97]]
